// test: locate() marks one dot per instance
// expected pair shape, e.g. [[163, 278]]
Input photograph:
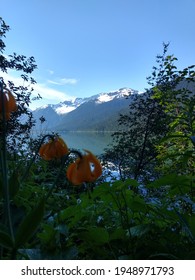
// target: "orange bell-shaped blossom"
[[85, 169], [9, 103], [54, 149]]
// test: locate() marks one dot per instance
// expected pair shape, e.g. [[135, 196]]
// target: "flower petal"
[[81, 171], [11, 102], [72, 174], [55, 148], [97, 171]]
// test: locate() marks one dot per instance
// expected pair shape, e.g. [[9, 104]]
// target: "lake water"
[[95, 142]]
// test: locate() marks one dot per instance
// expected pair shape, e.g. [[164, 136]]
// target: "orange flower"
[[56, 148], [9, 103], [84, 169]]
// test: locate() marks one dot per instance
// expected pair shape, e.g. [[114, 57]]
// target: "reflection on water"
[[96, 142]]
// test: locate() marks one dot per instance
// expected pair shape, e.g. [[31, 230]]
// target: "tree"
[[19, 126], [166, 108], [139, 130], [174, 90]]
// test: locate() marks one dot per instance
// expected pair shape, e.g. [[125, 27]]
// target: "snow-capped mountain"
[[83, 113], [69, 105], [121, 93]]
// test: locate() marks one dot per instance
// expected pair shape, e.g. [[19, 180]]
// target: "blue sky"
[[84, 47]]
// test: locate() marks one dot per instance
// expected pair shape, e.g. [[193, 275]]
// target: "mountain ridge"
[[99, 112]]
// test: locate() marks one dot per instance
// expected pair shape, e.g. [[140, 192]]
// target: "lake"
[[95, 141]]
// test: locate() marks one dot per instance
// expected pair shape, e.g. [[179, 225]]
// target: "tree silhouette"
[[19, 126]]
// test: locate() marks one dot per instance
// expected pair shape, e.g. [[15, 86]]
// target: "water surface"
[[95, 141]]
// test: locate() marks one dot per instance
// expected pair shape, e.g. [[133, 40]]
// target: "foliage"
[[159, 125], [134, 144], [20, 124], [114, 222]]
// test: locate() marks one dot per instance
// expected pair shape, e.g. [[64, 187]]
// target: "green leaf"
[[13, 185], [138, 205], [132, 183], [173, 136], [172, 180], [191, 222], [6, 240], [101, 190], [138, 231], [186, 225], [48, 234], [118, 233], [30, 224], [95, 235], [120, 185], [68, 212]]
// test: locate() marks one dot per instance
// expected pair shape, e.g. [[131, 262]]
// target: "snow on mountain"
[[64, 109], [106, 97], [69, 105], [59, 113]]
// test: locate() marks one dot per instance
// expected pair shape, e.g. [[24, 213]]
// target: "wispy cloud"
[[54, 82], [47, 93], [51, 72], [63, 81], [18, 81], [50, 93], [71, 81]]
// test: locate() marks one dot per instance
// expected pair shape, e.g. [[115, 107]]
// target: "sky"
[[86, 47]]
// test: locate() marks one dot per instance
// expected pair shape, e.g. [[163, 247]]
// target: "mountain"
[[99, 112]]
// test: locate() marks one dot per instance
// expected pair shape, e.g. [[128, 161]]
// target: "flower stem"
[[34, 157], [6, 193], [57, 177]]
